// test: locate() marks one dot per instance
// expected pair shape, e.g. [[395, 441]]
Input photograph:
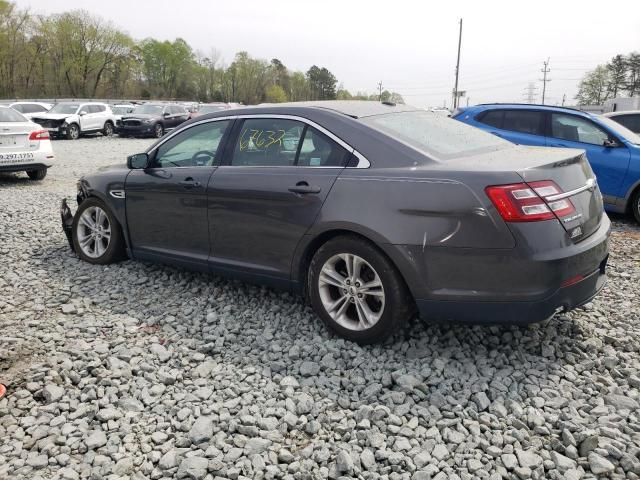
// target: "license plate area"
[[8, 140]]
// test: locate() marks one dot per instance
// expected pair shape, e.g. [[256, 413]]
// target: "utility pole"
[[455, 88], [564, 97], [544, 79], [380, 91], [530, 93]]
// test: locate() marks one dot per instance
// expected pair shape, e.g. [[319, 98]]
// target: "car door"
[[167, 202], [520, 126], [609, 162], [268, 192], [85, 113]]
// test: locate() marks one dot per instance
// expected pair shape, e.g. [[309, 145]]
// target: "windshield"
[[149, 109], [121, 110], [619, 130], [68, 108], [10, 115], [211, 108], [435, 134]]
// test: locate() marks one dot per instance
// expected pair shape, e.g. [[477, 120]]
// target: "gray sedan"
[[374, 212]]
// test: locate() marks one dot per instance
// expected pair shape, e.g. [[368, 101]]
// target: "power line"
[[544, 79]]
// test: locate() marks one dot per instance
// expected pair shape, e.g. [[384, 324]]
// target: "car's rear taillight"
[[525, 202], [39, 135]]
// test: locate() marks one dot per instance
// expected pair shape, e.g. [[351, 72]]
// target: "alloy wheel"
[[94, 232], [351, 291]]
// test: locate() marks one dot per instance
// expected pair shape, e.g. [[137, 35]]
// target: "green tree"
[[617, 70], [298, 87], [322, 83], [167, 67], [250, 78], [275, 94], [632, 84], [594, 87]]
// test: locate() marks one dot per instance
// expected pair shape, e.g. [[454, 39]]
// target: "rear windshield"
[[10, 115], [211, 108], [436, 135], [69, 108]]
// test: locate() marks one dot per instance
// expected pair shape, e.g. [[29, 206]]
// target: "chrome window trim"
[[363, 162]]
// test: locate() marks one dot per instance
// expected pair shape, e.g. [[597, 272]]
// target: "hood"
[[52, 116]]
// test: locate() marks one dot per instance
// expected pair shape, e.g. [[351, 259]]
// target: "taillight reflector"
[[524, 202], [39, 135]]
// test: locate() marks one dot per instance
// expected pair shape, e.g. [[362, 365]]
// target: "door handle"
[[304, 187], [189, 183]]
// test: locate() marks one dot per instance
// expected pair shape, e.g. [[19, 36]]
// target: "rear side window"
[[19, 108], [576, 129], [33, 108], [523, 121], [632, 122], [492, 118], [280, 142]]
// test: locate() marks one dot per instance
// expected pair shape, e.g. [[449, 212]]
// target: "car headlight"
[[148, 120]]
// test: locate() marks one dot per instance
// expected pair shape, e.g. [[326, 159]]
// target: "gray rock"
[[528, 459], [305, 404], [562, 463], [202, 430], [481, 400], [256, 445], [308, 368], [123, 467], [161, 352], [622, 402], [598, 464], [169, 460], [368, 459], [95, 440], [588, 445], [37, 462], [194, 468], [344, 462], [509, 460], [52, 393], [440, 452]]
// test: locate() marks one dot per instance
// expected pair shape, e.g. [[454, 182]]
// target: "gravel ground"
[[141, 371]]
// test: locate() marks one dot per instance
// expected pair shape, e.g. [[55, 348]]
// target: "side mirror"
[[166, 114], [138, 161], [83, 113], [610, 143]]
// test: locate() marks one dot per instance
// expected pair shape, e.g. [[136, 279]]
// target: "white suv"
[[72, 119]]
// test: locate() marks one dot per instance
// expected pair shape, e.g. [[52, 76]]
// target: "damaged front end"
[[67, 221]]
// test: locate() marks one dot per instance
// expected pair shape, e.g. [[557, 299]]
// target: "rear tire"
[[38, 174], [107, 131], [635, 206], [158, 130], [368, 314], [92, 224], [73, 132]]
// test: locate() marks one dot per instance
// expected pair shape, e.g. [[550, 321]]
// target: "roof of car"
[[352, 108], [525, 106], [621, 113]]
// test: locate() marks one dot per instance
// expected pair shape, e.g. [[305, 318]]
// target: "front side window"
[[576, 129], [33, 108], [194, 147], [523, 121]]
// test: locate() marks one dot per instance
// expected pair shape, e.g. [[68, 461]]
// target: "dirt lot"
[[142, 371]]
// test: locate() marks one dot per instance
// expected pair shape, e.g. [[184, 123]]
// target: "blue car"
[[613, 150]]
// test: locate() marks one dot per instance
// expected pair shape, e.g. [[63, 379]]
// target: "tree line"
[[620, 76], [79, 55]]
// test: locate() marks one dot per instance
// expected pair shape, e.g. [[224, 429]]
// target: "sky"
[[409, 46]]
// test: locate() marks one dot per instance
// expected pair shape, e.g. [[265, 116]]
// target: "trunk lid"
[[14, 136], [577, 182]]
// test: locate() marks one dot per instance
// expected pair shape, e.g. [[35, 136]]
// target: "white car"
[[24, 146], [29, 109], [73, 119], [120, 110]]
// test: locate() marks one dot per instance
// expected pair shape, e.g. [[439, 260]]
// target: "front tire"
[[73, 132], [158, 130], [107, 131], [357, 292], [38, 174], [97, 236], [635, 206]]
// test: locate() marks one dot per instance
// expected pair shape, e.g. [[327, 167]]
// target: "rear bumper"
[[544, 274], [517, 313], [23, 167]]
